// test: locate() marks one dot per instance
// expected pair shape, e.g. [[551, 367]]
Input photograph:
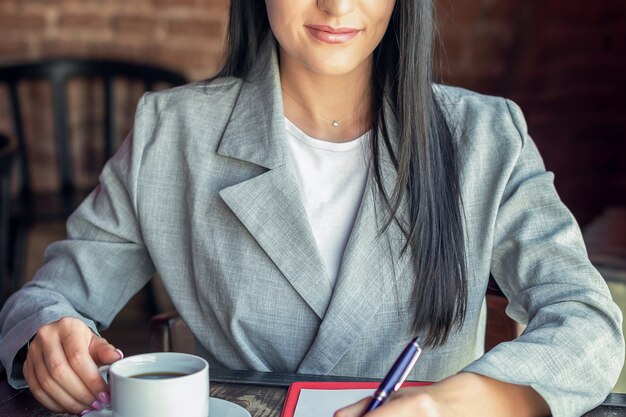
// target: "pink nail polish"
[[82, 413], [104, 398], [120, 353], [96, 405]]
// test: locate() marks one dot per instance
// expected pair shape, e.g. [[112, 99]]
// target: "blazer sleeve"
[[93, 273], [572, 350]]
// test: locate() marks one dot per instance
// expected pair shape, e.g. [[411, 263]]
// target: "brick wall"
[[562, 60], [570, 78], [185, 35]]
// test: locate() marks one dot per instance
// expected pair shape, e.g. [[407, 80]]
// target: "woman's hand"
[[61, 367], [413, 401], [464, 394]]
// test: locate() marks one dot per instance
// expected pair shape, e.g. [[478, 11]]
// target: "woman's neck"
[[334, 108]]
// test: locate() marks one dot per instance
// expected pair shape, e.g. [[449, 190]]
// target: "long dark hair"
[[425, 156]]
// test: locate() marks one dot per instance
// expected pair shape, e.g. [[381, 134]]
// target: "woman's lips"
[[332, 35]]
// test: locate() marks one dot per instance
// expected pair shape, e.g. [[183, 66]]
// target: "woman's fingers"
[[60, 370], [103, 352], [37, 391], [43, 386], [418, 403], [407, 402], [62, 365], [76, 344], [68, 341]]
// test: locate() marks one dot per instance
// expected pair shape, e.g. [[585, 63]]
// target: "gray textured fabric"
[[203, 193]]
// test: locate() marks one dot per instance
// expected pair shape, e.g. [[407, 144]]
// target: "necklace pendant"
[[335, 123]]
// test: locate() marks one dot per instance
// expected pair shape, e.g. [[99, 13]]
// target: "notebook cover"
[[293, 393]]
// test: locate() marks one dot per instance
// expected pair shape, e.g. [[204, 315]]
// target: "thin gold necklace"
[[333, 122]]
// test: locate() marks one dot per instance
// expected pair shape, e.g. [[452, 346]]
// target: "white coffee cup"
[[164, 384]]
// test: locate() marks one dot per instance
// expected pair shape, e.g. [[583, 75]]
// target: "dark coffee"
[[159, 375]]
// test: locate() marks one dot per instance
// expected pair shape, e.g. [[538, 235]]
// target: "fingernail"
[[96, 405], [104, 398], [120, 353], [82, 413]]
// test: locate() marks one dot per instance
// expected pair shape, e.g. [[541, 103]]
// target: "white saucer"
[[223, 408], [217, 408]]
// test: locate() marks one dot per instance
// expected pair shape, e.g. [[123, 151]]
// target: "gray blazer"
[[203, 193]]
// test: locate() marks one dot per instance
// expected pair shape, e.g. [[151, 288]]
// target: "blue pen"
[[396, 375]]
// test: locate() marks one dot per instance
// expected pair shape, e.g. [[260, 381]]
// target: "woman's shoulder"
[[216, 92], [187, 115], [471, 112], [460, 100]]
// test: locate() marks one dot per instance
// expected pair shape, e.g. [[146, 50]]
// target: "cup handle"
[[104, 373]]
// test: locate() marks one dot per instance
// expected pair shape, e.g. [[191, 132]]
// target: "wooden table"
[[262, 394]]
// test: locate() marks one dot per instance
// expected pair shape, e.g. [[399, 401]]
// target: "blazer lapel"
[[270, 208], [269, 205], [372, 261]]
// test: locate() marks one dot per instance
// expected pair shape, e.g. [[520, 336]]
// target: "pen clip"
[[409, 367]]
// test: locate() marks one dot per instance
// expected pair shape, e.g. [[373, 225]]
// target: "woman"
[[315, 207]]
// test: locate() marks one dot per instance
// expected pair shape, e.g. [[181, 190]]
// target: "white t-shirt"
[[332, 178]]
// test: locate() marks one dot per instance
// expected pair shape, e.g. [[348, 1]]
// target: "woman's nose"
[[337, 7]]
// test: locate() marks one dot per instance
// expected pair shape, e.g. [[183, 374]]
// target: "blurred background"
[[562, 61]]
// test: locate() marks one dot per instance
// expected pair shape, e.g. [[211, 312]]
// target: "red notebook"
[[294, 391]]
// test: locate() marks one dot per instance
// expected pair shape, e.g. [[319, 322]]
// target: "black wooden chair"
[[99, 85], [8, 148]]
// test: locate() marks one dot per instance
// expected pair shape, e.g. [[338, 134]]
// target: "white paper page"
[[323, 403]]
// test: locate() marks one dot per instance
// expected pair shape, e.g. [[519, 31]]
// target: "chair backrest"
[[58, 72], [8, 149], [169, 333], [500, 327]]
